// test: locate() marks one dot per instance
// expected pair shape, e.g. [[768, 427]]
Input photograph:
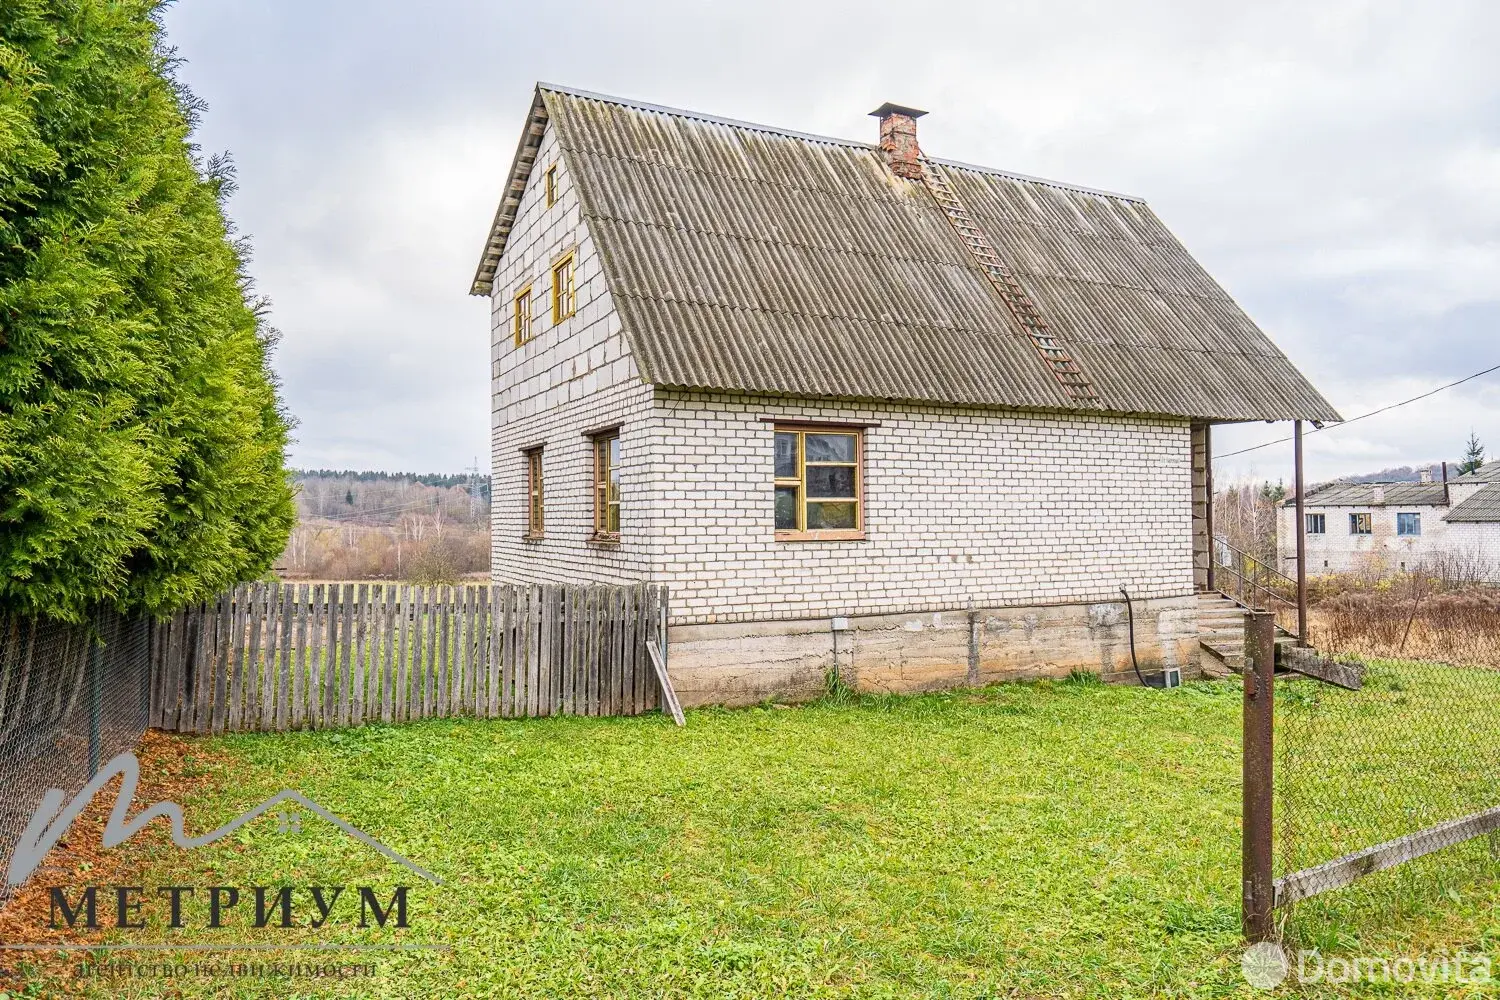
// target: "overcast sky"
[[1335, 165]]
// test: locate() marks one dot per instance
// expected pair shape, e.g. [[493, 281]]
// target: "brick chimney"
[[898, 139], [1425, 476]]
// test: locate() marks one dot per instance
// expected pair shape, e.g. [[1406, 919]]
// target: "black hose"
[[1130, 614]]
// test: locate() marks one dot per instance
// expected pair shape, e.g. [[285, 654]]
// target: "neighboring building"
[[1380, 528], [804, 382]]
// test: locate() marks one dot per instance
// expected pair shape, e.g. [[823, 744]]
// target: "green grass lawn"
[[1048, 839]]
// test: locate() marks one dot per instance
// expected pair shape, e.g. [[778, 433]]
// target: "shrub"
[[141, 438]]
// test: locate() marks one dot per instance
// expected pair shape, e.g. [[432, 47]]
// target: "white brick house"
[[776, 373], [1381, 528]]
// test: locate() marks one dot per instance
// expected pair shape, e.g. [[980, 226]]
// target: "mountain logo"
[[52, 820]]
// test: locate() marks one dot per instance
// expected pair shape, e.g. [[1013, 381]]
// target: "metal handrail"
[[1250, 590], [1242, 554]]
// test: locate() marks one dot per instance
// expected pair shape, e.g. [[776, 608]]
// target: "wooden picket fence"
[[312, 656]]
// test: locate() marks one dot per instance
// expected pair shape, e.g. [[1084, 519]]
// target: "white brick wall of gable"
[[570, 378], [961, 506]]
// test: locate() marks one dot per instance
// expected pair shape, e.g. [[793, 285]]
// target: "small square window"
[[564, 294], [1360, 524], [550, 180], [819, 483], [1317, 524], [520, 324], [1408, 524]]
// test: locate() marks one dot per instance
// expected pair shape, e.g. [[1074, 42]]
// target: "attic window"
[[520, 321], [564, 294], [550, 179]]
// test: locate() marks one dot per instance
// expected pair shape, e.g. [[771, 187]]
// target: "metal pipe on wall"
[[1301, 536]]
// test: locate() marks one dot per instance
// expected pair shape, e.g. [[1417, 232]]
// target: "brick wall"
[[995, 508], [1481, 540], [1381, 551], [572, 377]]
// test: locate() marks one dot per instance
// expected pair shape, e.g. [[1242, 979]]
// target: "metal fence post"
[[1259, 704]]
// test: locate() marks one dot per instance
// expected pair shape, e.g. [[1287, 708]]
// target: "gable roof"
[[1363, 495], [746, 258], [1483, 506]]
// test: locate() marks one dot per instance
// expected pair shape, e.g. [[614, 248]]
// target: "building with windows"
[[861, 409], [1375, 529]]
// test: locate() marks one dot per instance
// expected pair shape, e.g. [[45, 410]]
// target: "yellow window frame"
[[564, 290], [801, 533], [607, 486], [521, 328], [535, 496], [550, 182]]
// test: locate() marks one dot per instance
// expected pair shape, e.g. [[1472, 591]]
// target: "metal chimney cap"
[[887, 109]]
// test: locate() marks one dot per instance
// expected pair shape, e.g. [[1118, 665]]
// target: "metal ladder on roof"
[[1054, 354]]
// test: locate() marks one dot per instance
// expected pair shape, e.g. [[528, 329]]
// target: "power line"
[[356, 515], [1362, 416]]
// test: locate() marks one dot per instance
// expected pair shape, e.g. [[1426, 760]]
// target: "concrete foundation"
[[749, 662]]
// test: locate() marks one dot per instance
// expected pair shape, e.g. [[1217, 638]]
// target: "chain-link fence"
[[1384, 795], [71, 697], [1412, 619]]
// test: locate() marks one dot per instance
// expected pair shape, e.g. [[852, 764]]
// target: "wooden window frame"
[[564, 298], [1355, 522], [522, 322], [1321, 520], [536, 496], [549, 182], [802, 533], [604, 499]]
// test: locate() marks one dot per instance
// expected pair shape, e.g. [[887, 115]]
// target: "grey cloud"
[[1333, 164]]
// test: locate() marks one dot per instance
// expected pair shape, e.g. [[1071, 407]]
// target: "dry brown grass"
[[1412, 620]]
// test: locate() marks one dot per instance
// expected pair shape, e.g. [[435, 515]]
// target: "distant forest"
[[1403, 474], [363, 525], [425, 478]]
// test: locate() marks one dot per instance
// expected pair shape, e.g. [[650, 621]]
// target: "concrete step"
[[1217, 663]]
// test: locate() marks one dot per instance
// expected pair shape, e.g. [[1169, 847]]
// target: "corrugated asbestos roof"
[[1363, 495], [1482, 506], [749, 259], [1489, 472]]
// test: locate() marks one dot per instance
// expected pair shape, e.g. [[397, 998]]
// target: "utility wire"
[[356, 515], [1362, 416]]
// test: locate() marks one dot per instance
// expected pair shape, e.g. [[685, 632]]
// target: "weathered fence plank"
[[497, 631], [290, 656], [284, 669]]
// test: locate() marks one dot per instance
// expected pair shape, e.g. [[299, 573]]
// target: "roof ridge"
[[663, 109], [1028, 178]]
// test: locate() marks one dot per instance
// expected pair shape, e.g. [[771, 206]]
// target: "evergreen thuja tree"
[[141, 436]]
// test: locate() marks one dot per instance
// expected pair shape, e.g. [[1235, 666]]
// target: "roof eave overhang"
[[510, 200]]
